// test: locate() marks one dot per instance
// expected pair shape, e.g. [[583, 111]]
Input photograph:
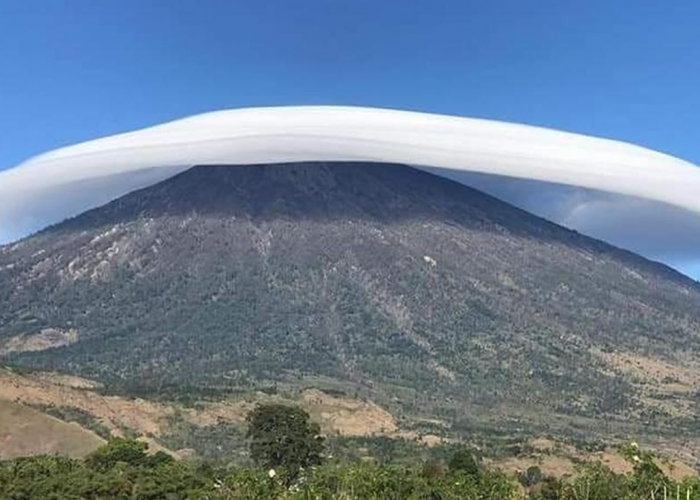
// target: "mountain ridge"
[[376, 278]]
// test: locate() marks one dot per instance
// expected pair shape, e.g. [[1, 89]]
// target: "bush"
[[464, 461], [533, 475], [118, 450]]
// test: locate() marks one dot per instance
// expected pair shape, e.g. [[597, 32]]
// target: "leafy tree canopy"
[[285, 437], [118, 450], [465, 462]]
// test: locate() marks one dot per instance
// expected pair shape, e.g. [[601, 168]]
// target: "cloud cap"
[[64, 182]]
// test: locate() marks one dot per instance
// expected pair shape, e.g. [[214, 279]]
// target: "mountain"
[[443, 304]]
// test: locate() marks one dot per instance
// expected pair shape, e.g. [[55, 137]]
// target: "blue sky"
[[79, 69]]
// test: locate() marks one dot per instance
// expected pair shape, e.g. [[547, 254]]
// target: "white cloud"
[[62, 183], [658, 231]]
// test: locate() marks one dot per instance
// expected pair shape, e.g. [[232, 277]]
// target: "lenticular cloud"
[[64, 182]]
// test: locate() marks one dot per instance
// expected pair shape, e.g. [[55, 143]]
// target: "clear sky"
[[77, 69]]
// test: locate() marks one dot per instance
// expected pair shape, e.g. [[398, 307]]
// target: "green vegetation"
[[467, 313], [54, 478], [284, 437], [125, 451], [122, 470], [532, 476], [292, 465], [463, 461], [221, 444]]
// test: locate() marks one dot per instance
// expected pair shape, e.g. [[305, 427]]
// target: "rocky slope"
[[433, 299]]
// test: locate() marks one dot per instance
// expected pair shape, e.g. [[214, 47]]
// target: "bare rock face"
[[47, 338], [436, 299]]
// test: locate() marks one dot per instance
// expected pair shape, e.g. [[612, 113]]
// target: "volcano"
[[374, 279]]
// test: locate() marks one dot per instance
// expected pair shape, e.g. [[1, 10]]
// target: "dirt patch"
[[544, 444], [614, 461], [559, 460], [664, 385], [669, 376], [347, 417], [210, 414], [677, 471], [335, 415], [24, 432], [550, 465], [431, 440], [48, 338], [68, 381], [342, 416], [143, 417]]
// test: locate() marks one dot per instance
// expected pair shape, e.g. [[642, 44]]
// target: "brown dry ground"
[[559, 460], [115, 413], [341, 416], [667, 385], [24, 431], [348, 417], [337, 416]]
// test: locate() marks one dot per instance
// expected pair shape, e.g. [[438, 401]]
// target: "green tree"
[[118, 450], [157, 459], [647, 478], [533, 475], [284, 437], [595, 481], [465, 462], [432, 470]]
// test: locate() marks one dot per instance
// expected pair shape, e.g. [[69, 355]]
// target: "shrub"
[[465, 462]]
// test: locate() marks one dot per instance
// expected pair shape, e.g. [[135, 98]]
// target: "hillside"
[[25, 431], [378, 281], [47, 413]]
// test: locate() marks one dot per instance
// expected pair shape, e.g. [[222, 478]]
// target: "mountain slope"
[[377, 279], [24, 431]]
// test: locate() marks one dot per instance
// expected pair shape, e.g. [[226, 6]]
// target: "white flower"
[[636, 458], [271, 473], [633, 444]]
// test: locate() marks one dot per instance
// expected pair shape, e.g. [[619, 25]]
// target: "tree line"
[[291, 463]]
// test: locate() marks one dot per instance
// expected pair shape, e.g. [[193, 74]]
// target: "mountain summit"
[[384, 280]]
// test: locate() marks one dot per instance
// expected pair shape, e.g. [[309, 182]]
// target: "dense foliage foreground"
[[115, 473], [287, 448]]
